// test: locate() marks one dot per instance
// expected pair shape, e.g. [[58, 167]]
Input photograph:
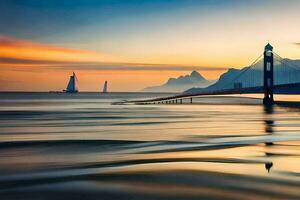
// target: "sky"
[[134, 44]]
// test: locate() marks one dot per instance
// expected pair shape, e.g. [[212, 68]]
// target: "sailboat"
[[105, 87], [72, 85]]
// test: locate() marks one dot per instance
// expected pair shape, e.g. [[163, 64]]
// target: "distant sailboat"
[[105, 87], [72, 85]]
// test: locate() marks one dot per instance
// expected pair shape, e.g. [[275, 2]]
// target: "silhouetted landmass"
[[182, 83]]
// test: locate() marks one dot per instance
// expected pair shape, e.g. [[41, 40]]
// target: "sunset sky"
[[136, 43]]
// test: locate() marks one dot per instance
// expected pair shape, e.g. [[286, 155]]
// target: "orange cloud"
[[23, 49], [18, 53]]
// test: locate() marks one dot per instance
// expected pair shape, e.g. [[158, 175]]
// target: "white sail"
[[105, 87], [72, 85], [75, 82]]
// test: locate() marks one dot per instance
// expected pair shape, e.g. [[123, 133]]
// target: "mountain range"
[[182, 83]]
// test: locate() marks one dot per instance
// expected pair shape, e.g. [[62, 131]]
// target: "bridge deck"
[[251, 90]]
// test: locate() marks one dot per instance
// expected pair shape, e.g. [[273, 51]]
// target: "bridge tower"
[[268, 75]]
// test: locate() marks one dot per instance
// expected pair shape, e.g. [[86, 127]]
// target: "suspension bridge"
[[269, 74]]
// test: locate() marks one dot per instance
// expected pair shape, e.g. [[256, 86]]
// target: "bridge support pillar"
[[268, 75], [180, 101], [191, 100]]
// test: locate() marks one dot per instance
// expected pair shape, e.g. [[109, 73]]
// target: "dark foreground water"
[[62, 146]]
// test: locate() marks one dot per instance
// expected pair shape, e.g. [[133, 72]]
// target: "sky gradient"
[[134, 44]]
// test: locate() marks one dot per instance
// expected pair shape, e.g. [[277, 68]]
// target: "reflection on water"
[[59, 146], [268, 166], [269, 124]]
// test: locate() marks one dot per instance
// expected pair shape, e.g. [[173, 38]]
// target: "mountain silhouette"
[[182, 83]]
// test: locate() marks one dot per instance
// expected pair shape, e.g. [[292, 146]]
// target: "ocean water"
[[81, 146]]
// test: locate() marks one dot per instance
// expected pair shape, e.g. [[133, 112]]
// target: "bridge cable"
[[248, 68], [286, 65]]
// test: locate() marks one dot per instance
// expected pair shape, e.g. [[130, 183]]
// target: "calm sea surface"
[[81, 146]]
